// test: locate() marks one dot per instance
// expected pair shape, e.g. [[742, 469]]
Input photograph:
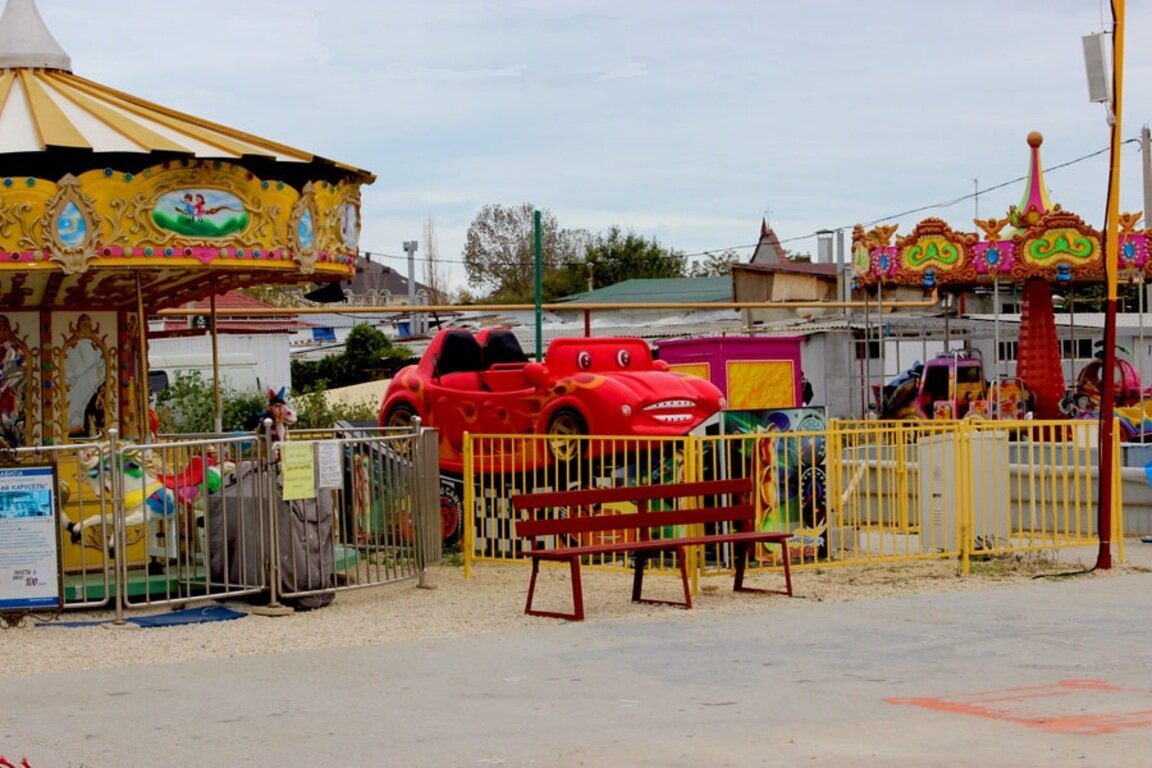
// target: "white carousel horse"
[[145, 496]]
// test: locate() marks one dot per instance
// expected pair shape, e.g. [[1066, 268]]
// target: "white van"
[[237, 370]]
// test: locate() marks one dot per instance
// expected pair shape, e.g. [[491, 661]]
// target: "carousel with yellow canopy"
[[113, 207]]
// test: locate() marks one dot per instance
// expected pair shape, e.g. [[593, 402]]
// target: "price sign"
[[29, 539]]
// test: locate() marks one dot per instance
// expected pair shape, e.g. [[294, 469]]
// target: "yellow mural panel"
[[761, 384], [703, 370]]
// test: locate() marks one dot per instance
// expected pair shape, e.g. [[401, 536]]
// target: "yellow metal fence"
[[856, 492]]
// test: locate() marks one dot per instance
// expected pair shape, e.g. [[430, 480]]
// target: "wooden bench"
[[643, 533]]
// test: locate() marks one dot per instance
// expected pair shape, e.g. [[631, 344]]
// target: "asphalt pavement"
[[1051, 673]]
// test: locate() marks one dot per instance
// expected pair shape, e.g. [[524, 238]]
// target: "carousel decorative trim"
[[302, 230], [72, 226]]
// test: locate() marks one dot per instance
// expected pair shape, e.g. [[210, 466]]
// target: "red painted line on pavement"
[[1019, 705]]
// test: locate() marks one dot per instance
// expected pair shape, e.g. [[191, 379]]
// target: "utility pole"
[[1145, 142]]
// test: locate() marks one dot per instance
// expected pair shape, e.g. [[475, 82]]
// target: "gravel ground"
[[493, 600]]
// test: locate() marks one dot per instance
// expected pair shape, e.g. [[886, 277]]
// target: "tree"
[[433, 274], [714, 264], [499, 252], [616, 256]]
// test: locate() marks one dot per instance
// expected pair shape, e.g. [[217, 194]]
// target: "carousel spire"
[[25, 41], [1035, 202]]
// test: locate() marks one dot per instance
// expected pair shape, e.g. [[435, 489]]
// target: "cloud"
[[625, 71]]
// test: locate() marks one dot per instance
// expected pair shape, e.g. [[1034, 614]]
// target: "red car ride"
[[483, 383]]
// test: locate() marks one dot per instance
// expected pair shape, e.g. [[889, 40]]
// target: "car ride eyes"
[[584, 359]]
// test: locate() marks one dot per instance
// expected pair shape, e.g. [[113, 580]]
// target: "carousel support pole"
[[218, 405], [866, 364], [996, 328], [144, 396]]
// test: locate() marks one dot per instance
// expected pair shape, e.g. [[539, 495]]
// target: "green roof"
[[688, 290]]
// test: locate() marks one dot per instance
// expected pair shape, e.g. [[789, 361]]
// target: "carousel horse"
[[203, 475], [145, 496]]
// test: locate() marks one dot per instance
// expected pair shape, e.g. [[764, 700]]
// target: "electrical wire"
[[716, 251]]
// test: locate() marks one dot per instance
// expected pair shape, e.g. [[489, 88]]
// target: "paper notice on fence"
[[298, 467], [328, 464]]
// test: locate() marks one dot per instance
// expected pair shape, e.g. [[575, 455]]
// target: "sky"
[[684, 121]]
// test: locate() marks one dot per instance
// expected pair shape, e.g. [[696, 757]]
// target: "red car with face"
[[484, 384]]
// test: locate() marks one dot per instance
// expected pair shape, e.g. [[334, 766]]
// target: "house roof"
[[663, 289], [768, 248], [372, 275], [799, 267], [234, 301]]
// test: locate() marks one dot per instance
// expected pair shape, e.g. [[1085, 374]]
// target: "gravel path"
[[492, 600]]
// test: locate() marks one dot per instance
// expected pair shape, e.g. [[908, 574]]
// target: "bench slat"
[[565, 553], [587, 497], [625, 521]]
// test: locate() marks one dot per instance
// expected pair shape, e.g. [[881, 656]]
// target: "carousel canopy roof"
[[111, 201], [43, 105]]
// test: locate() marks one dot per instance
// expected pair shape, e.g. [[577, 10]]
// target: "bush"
[[367, 356], [189, 406], [313, 411]]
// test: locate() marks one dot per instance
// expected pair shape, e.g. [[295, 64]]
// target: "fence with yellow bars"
[[853, 493]]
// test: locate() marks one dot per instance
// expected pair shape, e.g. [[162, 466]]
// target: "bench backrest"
[[740, 511]]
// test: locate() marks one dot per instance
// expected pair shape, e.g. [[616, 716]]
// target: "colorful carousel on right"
[[1042, 251]]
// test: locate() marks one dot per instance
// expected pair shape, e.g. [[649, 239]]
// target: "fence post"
[[272, 493], [119, 534], [964, 495], [468, 504], [426, 477]]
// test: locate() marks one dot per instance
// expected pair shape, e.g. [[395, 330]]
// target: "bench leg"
[[577, 593], [743, 551], [638, 579]]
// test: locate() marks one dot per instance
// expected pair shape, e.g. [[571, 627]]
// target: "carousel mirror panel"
[[19, 385]]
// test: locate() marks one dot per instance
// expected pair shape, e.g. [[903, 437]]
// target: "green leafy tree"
[[617, 256], [500, 250], [714, 264], [367, 356]]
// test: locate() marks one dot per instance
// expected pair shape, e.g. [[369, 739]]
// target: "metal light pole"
[[410, 247], [539, 251], [1112, 269]]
